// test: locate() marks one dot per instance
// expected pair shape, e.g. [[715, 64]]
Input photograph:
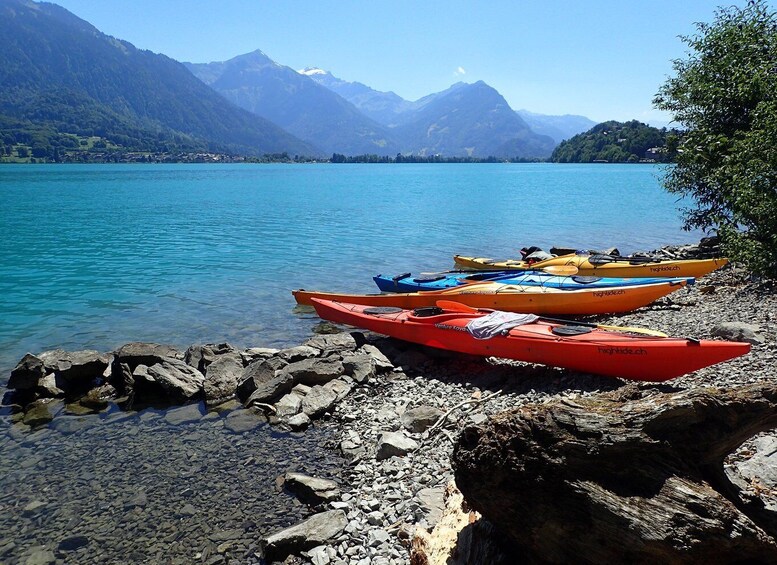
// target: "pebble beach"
[[386, 444]]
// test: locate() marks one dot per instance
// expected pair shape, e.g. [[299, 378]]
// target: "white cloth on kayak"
[[539, 256], [497, 323]]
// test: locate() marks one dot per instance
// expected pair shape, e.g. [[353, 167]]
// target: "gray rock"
[[138, 500], [393, 444], [311, 490], [72, 370], [28, 371], [42, 411], [306, 535], [289, 405], [319, 555], [255, 353], [763, 464], [314, 371], [333, 343], [298, 353], [184, 415], [67, 425], [299, 422], [135, 353], [420, 418], [382, 363], [99, 397], [319, 400], [432, 503], [221, 378], [738, 331], [40, 555], [201, 356], [33, 508], [270, 385], [180, 381], [244, 420], [48, 386], [260, 374], [360, 366]]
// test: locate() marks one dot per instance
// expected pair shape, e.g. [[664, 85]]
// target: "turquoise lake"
[[96, 256]]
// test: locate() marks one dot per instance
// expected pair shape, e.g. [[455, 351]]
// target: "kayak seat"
[[430, 278], [400, 277], [427, 311], [382, 310], [585, 280], [600, 259], [570, 330]]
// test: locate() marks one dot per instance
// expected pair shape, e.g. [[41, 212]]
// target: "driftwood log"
[[636, 475]]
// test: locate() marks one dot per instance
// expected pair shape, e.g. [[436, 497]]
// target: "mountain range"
[[61, 76]]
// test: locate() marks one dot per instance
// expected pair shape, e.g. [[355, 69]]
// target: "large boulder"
[[201, 356], [319, 400], [260, 375], [221, 377], [180, 381], [361, 367], [336, 343], [315, 371], [316, 530], [72, 372], [136, 353], [268, 384]]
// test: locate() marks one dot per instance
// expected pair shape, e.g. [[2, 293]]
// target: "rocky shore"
[[394, 410]]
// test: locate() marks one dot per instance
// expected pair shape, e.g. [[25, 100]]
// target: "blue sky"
[[603, 59]]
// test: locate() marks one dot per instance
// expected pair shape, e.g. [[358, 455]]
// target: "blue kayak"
[[406, 282]]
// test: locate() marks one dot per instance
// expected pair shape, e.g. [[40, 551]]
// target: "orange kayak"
[[598, 351], [603, 265], [515, 298]]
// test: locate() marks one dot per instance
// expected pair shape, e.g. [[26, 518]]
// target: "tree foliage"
[[615, 142], [725, 94]]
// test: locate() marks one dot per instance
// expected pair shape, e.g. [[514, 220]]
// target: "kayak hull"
[[608, 353], [529, 299], [408, 283], [620, 268]]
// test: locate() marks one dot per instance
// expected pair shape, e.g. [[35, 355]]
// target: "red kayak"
[[584, 348]]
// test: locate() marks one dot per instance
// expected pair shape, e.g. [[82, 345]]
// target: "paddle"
[[560, 270], [458, 307]]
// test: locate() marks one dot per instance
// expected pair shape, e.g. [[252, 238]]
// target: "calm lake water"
[[94, 256], [98, 256]]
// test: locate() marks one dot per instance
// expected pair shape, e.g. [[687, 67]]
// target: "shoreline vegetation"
[[398, 412], [608, 142]]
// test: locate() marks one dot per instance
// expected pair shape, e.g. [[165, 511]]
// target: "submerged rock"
[[306, 535], [311, 490]]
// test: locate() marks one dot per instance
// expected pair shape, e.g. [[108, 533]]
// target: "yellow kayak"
[[603, 265], [514, 298]]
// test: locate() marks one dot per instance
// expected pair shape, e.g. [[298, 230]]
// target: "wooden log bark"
[[630, 476]]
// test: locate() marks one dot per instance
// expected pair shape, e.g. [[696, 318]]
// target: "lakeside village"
[[117, 157]]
